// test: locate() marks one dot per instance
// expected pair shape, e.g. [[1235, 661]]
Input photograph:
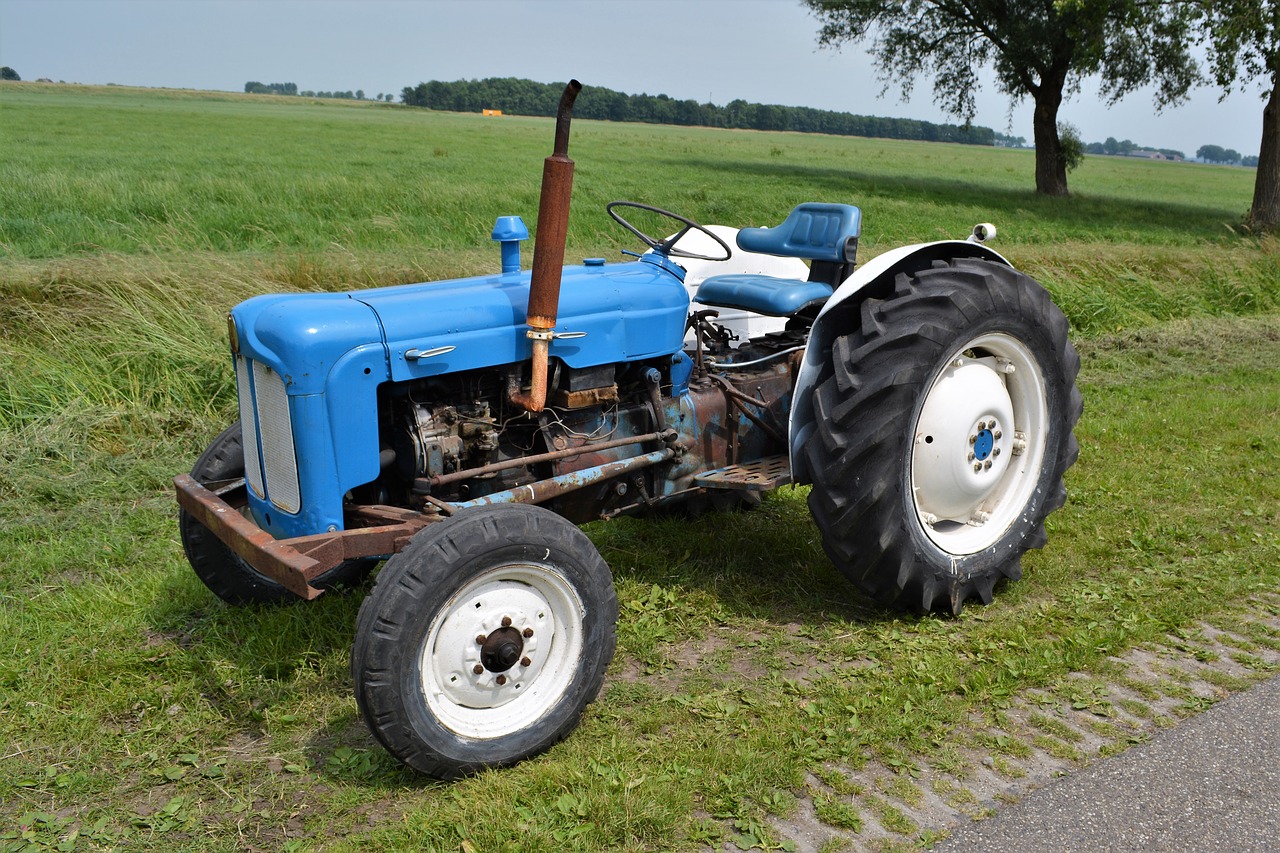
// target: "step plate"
[[762, 476]]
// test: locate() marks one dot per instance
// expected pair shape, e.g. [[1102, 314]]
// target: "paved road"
[[1212, 783]]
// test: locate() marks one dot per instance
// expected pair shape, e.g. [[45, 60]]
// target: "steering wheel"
[[667, 247]]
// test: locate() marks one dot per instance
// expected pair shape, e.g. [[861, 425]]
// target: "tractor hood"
[[614, 312], [619, 312]]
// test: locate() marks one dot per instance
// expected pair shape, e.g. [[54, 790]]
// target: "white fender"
[[817, 353]]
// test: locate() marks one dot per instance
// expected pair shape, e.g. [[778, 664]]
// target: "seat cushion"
[[763, 294]]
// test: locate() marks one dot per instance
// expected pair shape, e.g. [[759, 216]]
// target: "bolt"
[[977, 466], [959, 362], [480, 638], [501, 679], [973, 439], [982, 425], [995, 452], [525, 661], [929, 518], [971, 457], [1019, 443], [997, 435], [528, 632], [478, 669], [986, 466], [506, 621]]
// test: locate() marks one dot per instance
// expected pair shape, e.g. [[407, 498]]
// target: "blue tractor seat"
[[826, 235]]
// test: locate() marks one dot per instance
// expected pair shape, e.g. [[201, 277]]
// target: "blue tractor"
[[460, 430]]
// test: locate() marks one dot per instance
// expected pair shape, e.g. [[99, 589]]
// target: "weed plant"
[[137, 712]]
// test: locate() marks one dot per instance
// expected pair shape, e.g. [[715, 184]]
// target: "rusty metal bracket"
[[294, 563], [740, 400]]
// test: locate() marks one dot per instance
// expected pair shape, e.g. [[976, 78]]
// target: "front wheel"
[[483, 641], [943, 431]]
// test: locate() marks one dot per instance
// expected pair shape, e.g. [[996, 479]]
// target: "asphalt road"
[[1212, 783]]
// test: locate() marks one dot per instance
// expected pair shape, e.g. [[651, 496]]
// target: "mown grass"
[[138, 713]]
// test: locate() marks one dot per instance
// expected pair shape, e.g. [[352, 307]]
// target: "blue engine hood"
[[627, 311]]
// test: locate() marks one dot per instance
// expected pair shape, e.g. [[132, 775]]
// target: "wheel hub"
[[960, 449], [979, 444], [501, 650]]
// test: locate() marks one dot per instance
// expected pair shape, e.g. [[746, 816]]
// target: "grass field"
[[139, 713]]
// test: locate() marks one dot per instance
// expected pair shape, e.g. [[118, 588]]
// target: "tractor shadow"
[[763, 564]]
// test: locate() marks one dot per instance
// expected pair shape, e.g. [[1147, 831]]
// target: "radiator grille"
[[279, 464], [249, 428]]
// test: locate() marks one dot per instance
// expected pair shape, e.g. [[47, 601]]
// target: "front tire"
[[483, 641], [943, 432]]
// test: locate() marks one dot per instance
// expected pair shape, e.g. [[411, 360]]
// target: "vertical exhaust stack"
[[548, 252]]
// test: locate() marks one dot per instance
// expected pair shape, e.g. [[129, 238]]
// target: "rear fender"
[[830, 324]]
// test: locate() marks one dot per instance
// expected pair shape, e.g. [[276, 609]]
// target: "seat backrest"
[[813, 231]]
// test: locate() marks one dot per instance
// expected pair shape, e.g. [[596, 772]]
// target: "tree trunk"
[[1265, 213], [1051, 170]]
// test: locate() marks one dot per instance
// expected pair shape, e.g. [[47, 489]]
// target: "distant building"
[[492, 112]]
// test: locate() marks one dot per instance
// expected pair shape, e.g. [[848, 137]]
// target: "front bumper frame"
[[374, 531]]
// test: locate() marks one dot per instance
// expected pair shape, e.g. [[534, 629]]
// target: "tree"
[[1040, 49], [7, 73], [1212, 153], [1244, 45]]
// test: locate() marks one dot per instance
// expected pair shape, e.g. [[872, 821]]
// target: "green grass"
[[138, 713]]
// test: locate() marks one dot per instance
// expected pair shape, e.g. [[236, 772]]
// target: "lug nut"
[[501, 679], [977, 466], [973, 439], [506, 621], [480, 638], [478, 669], [997, 434], [528, 632], [971, 456], [986, 466], [982, 425], [526, 662], [995, 452]]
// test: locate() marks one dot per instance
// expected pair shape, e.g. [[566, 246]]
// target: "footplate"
[[760, 476]]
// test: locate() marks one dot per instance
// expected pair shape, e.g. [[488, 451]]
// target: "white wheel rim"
[[979, 444], [528, 607]]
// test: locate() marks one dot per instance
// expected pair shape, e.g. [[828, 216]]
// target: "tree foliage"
[[1244, 46], [526, 97], [253, 87], [7, 73], [1041, 49]]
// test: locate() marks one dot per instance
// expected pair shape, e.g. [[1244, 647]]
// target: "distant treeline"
[[253, 87], [527, 97]]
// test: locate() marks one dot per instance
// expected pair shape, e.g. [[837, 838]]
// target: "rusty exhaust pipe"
[[548, 253]]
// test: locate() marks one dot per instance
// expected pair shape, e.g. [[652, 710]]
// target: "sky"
[[764, 51]]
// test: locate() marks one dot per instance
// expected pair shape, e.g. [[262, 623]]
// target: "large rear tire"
[[943, 432], [221, 467], [483, 640]]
